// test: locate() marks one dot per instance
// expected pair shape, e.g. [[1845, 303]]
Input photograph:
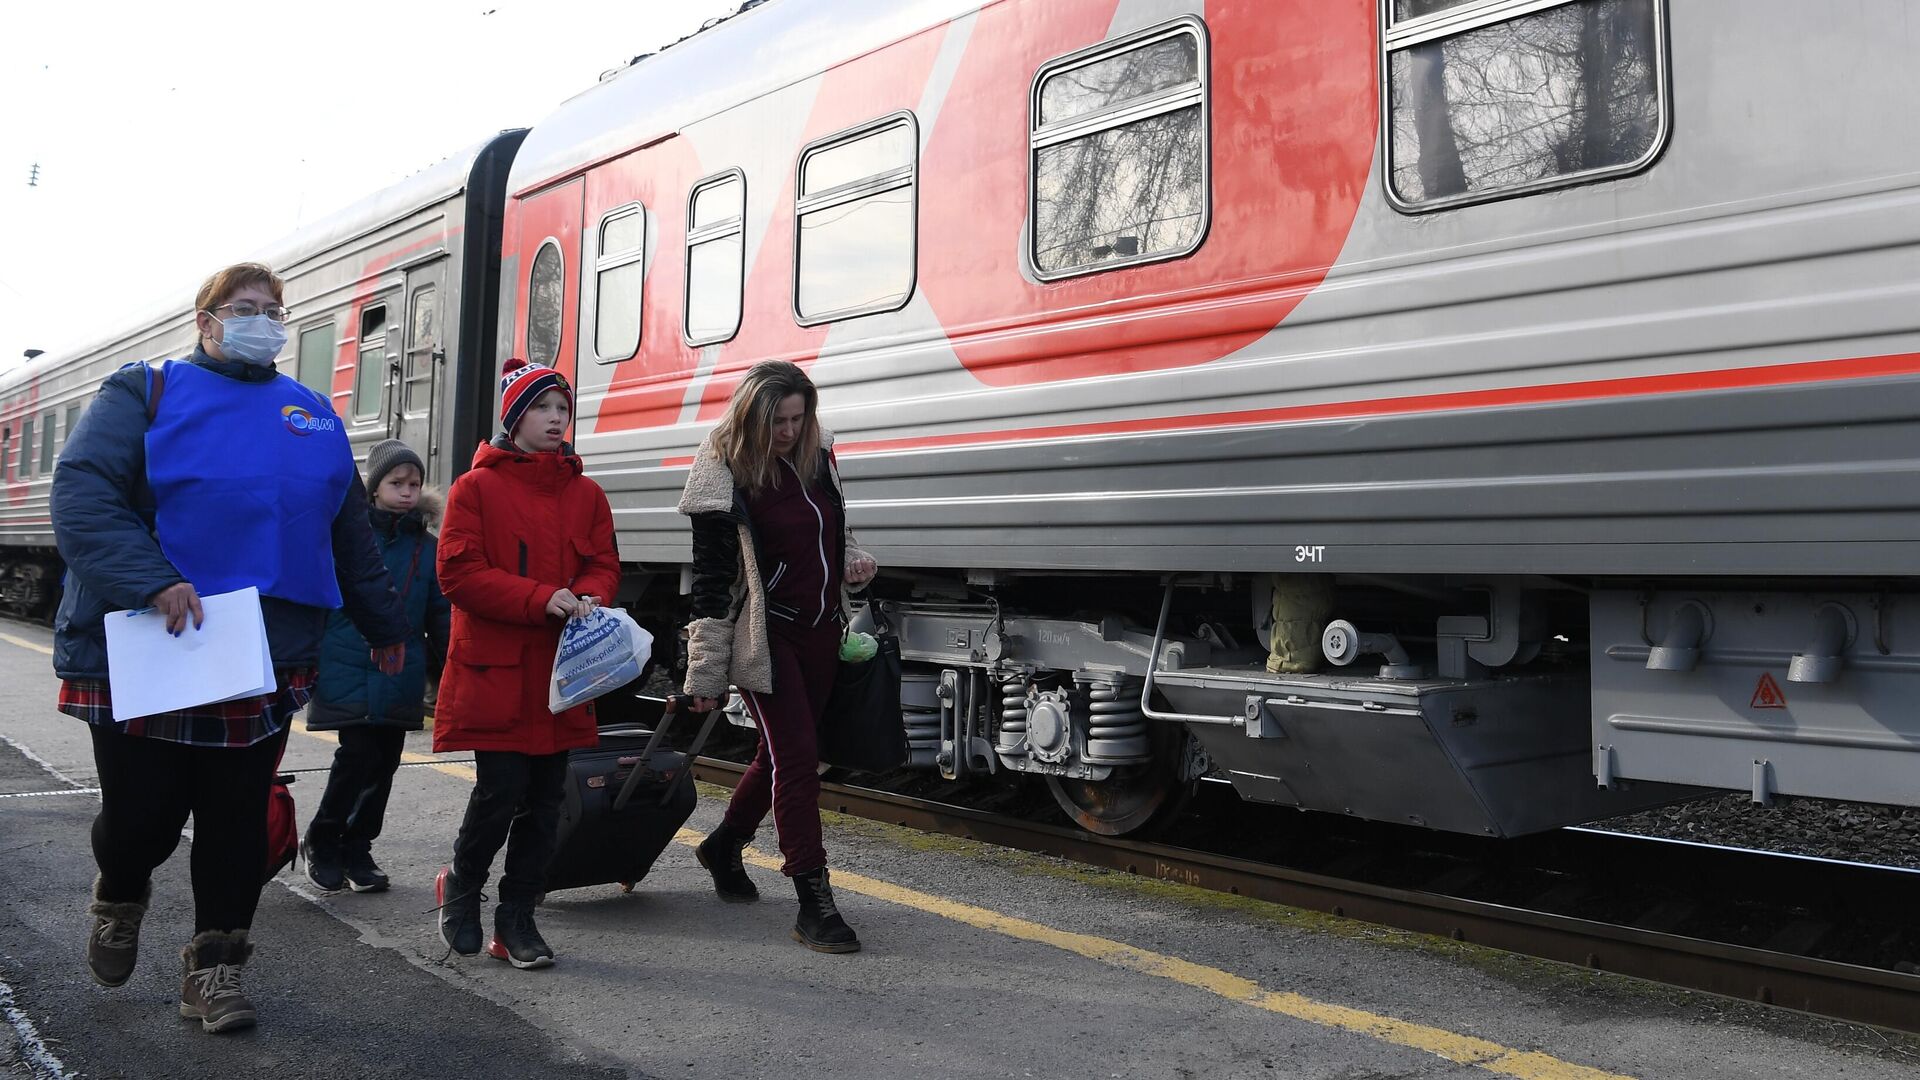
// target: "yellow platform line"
[[25, 644], [464, 772], [1450, 1045]]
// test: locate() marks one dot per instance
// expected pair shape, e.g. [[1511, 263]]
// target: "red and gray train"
[[1480, 414]]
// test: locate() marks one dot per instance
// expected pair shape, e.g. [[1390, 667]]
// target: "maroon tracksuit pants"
[[785, 774]]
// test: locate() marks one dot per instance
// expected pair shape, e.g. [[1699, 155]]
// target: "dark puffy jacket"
[[103, 513], [351, 691]]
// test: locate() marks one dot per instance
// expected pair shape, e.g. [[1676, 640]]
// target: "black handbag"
[[861, 727]]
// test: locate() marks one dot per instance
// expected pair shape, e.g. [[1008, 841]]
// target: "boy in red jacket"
[[527, 544]]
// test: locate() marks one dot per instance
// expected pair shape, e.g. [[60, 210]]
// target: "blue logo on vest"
[[301, 422]]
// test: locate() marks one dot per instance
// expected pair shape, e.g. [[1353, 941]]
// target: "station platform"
[[978, 962]]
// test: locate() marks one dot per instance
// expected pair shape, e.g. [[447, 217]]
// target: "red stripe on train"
[[1816, 371]]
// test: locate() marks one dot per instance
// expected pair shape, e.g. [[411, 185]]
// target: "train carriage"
[[1541, 372]]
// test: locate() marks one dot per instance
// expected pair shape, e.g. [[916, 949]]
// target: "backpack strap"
[[156, 386]]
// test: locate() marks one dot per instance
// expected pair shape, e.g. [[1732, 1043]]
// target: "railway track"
[[1799, 906]]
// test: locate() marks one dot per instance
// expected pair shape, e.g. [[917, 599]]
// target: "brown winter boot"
[[115, 942], [210, 988]]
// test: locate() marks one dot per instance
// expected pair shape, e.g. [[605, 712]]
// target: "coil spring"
[[1013, 715], [1116, 728], [920, 714]]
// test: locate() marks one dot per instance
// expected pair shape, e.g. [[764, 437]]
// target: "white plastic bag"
[[599, 652]]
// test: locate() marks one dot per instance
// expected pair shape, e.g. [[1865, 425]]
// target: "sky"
[[174, 138]]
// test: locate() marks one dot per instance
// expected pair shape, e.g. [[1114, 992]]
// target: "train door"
[[418, 371], [548, 292]]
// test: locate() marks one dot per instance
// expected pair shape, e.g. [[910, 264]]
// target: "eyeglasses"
[[246, 310]]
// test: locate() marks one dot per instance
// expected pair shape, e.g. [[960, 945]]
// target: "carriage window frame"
[[23, 460], [331, 360], [1170, 100], [846, 194], [1399, 34], [365, 340], [723, 230], [45, 464], [72, 422], [602, 264], [560, 313]]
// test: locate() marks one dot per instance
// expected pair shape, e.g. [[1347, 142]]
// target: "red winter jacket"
[[518, 528]]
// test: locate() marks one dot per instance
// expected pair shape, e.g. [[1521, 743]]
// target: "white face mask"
[[252, 339]]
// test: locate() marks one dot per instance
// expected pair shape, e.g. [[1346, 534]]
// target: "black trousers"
[[354, 806], [148, 787], [516, 802]]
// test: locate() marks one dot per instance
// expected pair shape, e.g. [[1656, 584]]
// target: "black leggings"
[[148, 787]]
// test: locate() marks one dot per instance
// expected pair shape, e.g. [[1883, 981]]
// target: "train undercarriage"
[[29, 583], [1494, 707]]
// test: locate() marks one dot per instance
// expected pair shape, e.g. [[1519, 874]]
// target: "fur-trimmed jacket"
[[351, 691], [727, 639]]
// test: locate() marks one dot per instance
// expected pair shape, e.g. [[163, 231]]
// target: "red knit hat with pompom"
[[521, 384]]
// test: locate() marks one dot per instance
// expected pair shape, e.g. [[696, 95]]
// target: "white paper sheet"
[[150, 671]]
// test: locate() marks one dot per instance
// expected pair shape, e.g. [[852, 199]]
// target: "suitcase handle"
[[675, 703]]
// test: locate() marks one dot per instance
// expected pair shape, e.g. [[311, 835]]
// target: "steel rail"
[[1841, 991]]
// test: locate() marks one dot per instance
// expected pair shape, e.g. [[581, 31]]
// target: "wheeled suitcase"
[[625, 800]]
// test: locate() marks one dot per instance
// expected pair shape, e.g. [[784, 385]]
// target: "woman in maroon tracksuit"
[[771, 559]]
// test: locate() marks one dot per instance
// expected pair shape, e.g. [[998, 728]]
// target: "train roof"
[[754, 53], [437, 182]]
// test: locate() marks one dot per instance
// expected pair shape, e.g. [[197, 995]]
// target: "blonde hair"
[[231, 280], [744, 436]]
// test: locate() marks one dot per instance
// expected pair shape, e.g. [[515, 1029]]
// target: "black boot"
[[720, 854], [459, 907], [515, 939], [820, 926]]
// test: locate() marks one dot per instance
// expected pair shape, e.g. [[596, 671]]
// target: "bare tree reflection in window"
[[1560, 92], [1134, 190], [544, 292]]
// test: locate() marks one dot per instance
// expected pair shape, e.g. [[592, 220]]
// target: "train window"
[[423, 340], [73, 421], [716, 258], [546, 285], [1484, 103], [619, 284], [370, 374], [25, 468], [314, 368], [854, 222], [46, 443], [6, 443], [1118, 138]]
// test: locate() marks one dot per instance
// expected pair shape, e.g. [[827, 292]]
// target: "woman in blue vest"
[[203, 476]]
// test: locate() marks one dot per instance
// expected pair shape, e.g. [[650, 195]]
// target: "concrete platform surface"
[[978, 963]]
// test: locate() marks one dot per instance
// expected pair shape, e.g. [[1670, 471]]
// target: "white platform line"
[[40, 761], [42, 1063]]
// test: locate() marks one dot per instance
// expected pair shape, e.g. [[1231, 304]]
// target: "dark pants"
[[785, 774], [516, 802], [352, 809], [148, 787]]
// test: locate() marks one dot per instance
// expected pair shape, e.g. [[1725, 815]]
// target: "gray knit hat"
[[387, 456]]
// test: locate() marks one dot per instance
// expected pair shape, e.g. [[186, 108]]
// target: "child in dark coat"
[[528, 544], [373, 712]]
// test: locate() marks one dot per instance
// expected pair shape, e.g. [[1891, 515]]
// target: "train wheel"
[[1137, 799]]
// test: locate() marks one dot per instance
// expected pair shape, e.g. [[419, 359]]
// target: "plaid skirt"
[[228, 724]]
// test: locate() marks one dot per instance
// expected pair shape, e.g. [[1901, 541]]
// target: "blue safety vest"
[[247, 478]]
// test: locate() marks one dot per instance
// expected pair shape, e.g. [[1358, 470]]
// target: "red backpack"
[[283, 826]]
